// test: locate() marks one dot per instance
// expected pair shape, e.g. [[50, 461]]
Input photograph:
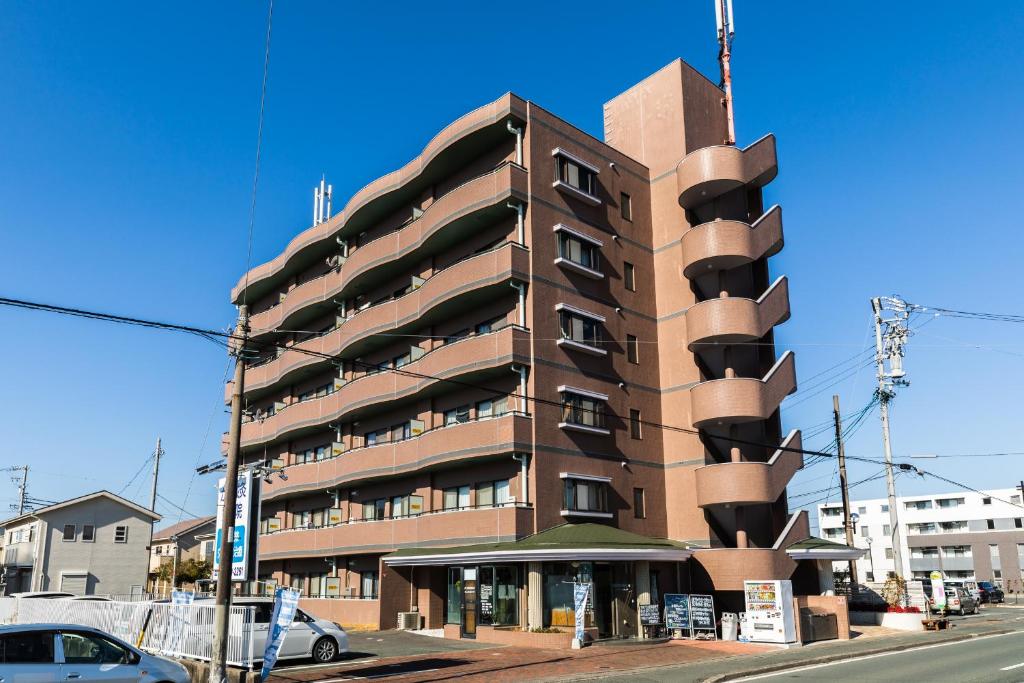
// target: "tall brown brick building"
[[482, 346]]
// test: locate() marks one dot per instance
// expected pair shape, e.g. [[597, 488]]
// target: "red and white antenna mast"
[[726, 30]]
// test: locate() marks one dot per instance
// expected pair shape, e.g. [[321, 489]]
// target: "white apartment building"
[[964, 535]]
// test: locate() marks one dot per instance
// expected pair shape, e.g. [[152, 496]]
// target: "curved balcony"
[[727, 568], [459, 143], [455, 527], [750, 483], [466, 283], [466, 359], [478, 200], [742, 399], [720, 245], [441, 446], [710, 172], [734, 319]]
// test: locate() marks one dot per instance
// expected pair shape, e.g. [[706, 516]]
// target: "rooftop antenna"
[[321, 202], [726, 31]]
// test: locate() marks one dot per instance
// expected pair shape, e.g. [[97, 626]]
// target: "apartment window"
[[370, 580], [888, 553], [634, 424], [70, 531], [632, 349], [864, 531], [885, 508], [871, 577], [579, 328], [374, 509], [862, 510], [639, 504], [322, 452], [159, 550], [575, 173], [400, 506], [1017, 522], [456, 415], [949, 502], [492, 493], [492, 407], [582, 495], [629, 276], [403, 360], [582, 410], [455, 498], [376, 437], [579, 249], [886, 530], [301, 520], [401, 432], [986, 501], [488, 326], [317, 584], [918, 505], [625, 206], [298, 582], [990, 523], [831, 512], [304, 457], [120, 534]]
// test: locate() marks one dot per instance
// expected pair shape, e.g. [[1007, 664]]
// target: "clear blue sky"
[[126, 157]]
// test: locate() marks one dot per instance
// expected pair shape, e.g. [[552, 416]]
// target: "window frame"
[[625, 206], [587, 244], [629, 276], [91, 535], [573, 400], [117, 533], [632, 349], [635, 424], [586, 186], [596, 498], [639, 503], [573, 326], [74, 533]]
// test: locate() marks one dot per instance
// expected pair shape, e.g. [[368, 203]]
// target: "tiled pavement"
[[501, 664]]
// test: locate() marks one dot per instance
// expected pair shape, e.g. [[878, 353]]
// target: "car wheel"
[[961, 612], [325, 650]]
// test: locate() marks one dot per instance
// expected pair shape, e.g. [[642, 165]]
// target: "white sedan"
[[47, 653]]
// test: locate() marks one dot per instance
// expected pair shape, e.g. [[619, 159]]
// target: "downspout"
[[518, 132], [521, 288], [520, 210], [523, 460], [522, 386]]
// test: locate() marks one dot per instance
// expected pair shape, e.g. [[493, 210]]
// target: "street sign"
[[243, 541]]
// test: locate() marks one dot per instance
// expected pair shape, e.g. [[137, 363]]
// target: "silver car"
[[48, 653]]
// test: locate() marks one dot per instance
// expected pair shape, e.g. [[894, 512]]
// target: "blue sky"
[[126, 157]]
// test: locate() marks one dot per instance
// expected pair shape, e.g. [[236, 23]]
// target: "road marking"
[[1015, 666], [784, 672], [312, 667]]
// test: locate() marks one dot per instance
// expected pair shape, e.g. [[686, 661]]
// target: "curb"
[[841, 656]]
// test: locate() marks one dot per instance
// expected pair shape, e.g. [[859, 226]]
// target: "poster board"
[[650, 615], [702, 617], [677, 612]]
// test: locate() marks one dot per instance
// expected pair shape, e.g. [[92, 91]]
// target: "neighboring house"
[[182, 539], [963, 534], [93, 544]]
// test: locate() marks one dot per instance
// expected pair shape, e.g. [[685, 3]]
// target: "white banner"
[[286, 601]]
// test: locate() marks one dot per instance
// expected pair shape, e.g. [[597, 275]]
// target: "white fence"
[[166, 629]]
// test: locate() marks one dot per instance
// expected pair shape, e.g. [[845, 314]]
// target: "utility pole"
[[156, 474], [845, 489], [218, 662], [890, 348], [22, 489], [174, 563], [726, 30]]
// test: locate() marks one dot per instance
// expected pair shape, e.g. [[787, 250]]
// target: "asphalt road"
[[994, 658]]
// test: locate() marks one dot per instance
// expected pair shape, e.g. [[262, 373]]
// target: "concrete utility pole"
[[22, 489], [890, 348], [174, 562], [218, 663], [156, 474], [845, 489]]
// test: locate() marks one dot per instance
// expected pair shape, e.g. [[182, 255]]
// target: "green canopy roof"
[[563, 542], [821, 549]]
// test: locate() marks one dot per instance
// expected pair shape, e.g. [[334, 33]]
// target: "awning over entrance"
[[566, 542], [820, 549]]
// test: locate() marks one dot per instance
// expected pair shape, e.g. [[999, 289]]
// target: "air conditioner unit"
[[409, 621]]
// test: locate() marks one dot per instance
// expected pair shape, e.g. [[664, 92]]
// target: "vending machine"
[[769, 617]]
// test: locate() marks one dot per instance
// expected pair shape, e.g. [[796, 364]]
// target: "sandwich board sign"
[[702, 617], [677, 612]]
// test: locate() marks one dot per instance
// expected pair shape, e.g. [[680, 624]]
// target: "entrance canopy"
[[820, 549], [563, 543]]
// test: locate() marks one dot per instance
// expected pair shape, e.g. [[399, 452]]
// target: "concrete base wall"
[[516, 637], [354, 615]]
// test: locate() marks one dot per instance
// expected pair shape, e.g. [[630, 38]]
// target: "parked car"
[[42, 595], [969, 586], [990, 592], [958, 600], [88, 598], [48, 653], [308, 636]]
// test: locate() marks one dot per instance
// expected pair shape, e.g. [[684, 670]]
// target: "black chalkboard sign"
[[702, 613], [677, 611], [650, 615]]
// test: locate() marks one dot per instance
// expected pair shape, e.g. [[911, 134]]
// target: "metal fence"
[[159, 628]]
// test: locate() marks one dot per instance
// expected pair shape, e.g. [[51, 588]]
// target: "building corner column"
[[643, 592], [534, 596]]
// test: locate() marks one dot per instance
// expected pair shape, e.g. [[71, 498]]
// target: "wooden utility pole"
[[156, 475], [848, 522], [218, 662]]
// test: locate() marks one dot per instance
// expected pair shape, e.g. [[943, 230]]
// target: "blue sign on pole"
[[286, 601]]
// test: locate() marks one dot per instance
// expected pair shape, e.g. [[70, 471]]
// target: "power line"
[[136, 475]]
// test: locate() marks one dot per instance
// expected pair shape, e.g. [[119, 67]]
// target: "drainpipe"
[[520, 223], [522, 386], [521, 288], [523, 460], [518, 132]]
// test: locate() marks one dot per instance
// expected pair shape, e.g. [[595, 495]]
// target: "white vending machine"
[[769, 617]]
